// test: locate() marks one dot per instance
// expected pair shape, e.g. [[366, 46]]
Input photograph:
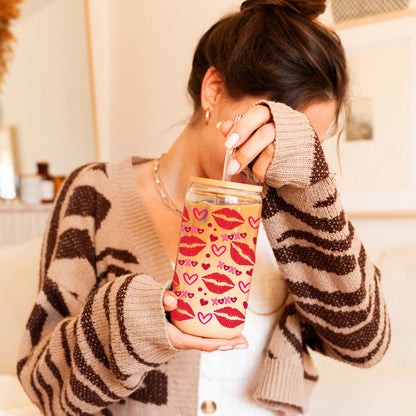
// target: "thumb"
[[169, 301]]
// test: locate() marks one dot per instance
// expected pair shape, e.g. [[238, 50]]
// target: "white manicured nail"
[[233, 167], [225, 348], [169, 300], [218, 125], [241, 347], [232, 140]]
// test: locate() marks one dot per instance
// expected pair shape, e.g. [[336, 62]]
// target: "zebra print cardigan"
[[96, 343]]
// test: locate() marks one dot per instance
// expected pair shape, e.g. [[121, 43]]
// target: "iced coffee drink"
[[216, 256]]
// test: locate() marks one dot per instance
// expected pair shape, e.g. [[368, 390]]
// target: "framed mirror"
[[47, 93]]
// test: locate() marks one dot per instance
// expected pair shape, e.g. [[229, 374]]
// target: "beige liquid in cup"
[[213, 270]]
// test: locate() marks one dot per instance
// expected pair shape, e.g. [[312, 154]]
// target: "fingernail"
[[232, 140], [169, 300], [233, 168], [218, 125], [241, 347], [225, 348]]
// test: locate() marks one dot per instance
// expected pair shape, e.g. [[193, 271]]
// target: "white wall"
[[151, 51], [381, 173], [100, 30], [386, 233], [46, 93], [142, 58]]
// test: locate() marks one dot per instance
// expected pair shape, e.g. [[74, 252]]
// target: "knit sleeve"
[[87, 346], [335, 287]]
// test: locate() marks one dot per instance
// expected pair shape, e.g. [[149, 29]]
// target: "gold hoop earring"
[[207, 117]]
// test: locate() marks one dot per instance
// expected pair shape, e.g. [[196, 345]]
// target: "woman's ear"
[[211, 89]]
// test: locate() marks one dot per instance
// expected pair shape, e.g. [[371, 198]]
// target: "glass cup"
[[216, 256]]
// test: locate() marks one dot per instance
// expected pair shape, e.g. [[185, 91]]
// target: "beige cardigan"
[[96, 342]]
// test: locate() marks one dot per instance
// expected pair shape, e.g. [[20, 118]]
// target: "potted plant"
[[8, 11]]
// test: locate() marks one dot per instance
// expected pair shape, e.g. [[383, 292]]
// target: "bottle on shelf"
[[47, 188]]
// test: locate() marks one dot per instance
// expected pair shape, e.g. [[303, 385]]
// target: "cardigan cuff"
[[144, 316], [295, 142], [281, 385]]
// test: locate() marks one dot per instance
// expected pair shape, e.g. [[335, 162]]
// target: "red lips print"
[[242, 254], [229, 317], [190, 245], [218, 283], [183, 311], [228, 218], [175, 282], [185, 217]]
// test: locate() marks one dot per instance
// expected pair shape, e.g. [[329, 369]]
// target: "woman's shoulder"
[[99, 183], [93, 172], [87, 174], [95, 177]]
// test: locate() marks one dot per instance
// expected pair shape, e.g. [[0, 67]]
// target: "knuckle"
[[242, 124], [261, 109], [200, 345], [267, 113], [270, 150], [206, 345], [180, 344], [257, 172], [268, 131], [243, 154], [263, 112]]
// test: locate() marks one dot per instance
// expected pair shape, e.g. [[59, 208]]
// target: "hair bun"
[[308, 8]]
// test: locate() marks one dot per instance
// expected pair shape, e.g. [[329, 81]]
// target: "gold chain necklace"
[[161, 189]]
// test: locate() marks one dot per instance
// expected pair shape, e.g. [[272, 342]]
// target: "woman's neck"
[[180, 163]]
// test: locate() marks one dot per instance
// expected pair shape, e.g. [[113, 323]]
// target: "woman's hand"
[[184, 341], [254, 136]]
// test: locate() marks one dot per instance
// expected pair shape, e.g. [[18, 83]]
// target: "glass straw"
[[229, 156]]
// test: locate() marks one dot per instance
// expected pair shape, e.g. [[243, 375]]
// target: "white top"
[[228, 377]]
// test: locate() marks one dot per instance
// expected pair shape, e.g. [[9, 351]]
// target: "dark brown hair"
[[276, 49]]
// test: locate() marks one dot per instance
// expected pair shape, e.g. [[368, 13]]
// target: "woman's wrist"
[[298, 158]]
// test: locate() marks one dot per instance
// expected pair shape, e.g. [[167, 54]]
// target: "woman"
[[98, 341]]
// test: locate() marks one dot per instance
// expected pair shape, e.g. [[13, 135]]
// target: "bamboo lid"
[[227, 184]]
